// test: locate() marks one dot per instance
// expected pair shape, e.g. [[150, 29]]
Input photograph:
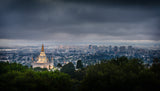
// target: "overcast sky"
[[80, 19]]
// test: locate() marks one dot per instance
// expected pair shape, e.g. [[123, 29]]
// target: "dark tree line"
[[115, 74], [15, 77], [122, 74]]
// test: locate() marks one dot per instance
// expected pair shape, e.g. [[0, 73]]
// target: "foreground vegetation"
[[116, 74]]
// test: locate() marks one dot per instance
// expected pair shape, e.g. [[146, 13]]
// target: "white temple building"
[[43, 61]]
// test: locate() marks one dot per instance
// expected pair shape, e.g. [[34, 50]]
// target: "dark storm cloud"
[[122, 2], [80, 19]]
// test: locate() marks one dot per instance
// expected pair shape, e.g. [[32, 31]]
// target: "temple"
[[42, 61]]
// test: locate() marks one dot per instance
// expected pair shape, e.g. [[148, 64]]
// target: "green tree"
[[59, 65], [79, 64], [156, 61], [69, 69], [40, 69], [156, 66], [120, 74], [15, 77]]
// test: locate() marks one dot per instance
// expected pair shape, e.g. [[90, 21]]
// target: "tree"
[[69, 69], [156, 66], [156, 61], [79, 64], [120, 74], [15, 77], [59, 65], [40, 69]]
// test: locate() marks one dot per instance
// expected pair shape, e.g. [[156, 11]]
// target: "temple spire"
[[42, 50]]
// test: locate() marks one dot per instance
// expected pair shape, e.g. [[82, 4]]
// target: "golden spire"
[[42, 50]]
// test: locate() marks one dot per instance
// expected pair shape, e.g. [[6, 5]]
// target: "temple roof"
[[42, 50]]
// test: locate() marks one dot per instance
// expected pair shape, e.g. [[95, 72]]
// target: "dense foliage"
[[59, 65], [116, 74], [121, 74], [79, 64], [40, 69], [15, 77], [68, 68]]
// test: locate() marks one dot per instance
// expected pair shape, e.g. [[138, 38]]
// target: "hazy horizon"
[[135, 43]]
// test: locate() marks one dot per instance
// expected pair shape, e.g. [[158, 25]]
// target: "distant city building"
[[115, 49], [110, 48], [130, 48], [122, 49], [95, 47], [43, 61], [90, 47]]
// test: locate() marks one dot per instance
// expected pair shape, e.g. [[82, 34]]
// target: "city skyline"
[[91, 54]]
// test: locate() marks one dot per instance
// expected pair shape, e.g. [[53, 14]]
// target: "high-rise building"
[[90, 47], [110, 48], [115, 49], [42, 61], [122, 49], [129, 47]]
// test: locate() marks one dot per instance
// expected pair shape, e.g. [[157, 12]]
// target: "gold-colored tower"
[[42, 57]]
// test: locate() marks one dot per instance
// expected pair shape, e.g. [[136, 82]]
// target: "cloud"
[[80, 20]]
